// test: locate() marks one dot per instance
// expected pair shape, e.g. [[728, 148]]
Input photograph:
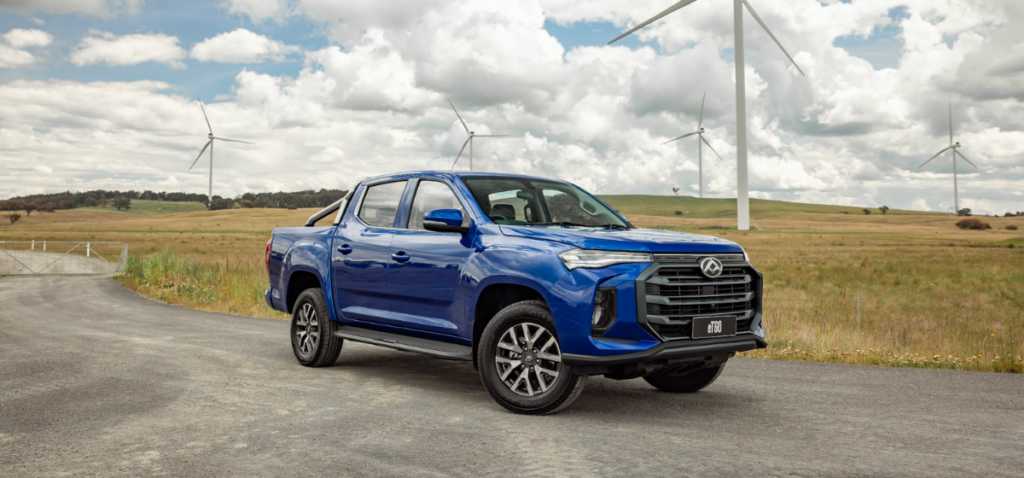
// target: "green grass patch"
[[151, 208]]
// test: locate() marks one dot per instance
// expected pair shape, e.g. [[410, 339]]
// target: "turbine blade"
[[951, 123], [200, 154], [709, 146], [761, 22], [460, 152], [205, 117], [491, 135], [460, 117], [936, 156], [653, 19], [701, 120], [681, 137], [232, 140], [965, 158]]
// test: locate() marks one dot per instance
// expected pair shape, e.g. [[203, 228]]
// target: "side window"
[[380, 204], [432, 195]]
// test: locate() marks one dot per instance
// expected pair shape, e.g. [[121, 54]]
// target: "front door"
[[360, 258], [427, 267]]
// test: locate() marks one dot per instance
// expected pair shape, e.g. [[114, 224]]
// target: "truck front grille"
[[675, 294]]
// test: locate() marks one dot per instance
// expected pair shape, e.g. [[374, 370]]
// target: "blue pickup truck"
[[537, 282]]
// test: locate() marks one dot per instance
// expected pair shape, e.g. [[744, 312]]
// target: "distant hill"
[[718, 208]]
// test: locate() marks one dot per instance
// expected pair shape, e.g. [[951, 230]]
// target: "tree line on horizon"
[[122, 200]]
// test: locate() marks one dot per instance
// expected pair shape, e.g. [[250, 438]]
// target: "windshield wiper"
[[576, 224]]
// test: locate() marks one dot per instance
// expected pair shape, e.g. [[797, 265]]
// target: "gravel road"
[[95, 380]]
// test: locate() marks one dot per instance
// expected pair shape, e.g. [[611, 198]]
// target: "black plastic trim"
[[671, 350], [406, 343]]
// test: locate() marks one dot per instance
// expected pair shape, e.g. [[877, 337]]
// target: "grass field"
[[930, 295], [148, 208]]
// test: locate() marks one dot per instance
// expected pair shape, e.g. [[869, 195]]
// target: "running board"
[[443, 350]]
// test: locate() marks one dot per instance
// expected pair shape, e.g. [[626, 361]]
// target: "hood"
[[634, 240]]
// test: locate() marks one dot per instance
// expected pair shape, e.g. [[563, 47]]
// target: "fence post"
[[88, 249], [44, 246], [858, 312], [33, 244]]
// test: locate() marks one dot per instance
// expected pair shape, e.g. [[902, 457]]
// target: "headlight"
[[746, 257], [587, 259]]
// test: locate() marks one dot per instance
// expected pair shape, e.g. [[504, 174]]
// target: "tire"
[[313, 339], [690, 382], [558, 385]]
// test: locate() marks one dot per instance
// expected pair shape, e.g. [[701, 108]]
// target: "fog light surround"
[[605, 307]]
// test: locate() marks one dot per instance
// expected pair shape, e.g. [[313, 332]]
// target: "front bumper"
[[672, 351]]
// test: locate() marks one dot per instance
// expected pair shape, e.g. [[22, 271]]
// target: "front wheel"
[[313, 339], [678, 381], [520, 361]]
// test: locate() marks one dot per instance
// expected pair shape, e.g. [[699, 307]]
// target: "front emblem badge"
[[711, 267]]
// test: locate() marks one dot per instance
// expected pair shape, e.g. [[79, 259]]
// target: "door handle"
[[345, 249], [400, 256]]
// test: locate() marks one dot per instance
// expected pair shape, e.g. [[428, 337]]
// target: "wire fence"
[[61, 257]]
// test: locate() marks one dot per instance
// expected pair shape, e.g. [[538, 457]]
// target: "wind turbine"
[[742, 196], [954, 147], [700, 147], [469, 140], [209, 144]]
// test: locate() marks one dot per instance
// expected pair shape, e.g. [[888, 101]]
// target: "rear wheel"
[[680, 381], [313, 339], [520, 361]]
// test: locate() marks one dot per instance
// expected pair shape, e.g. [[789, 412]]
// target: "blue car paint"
[[461, 267]]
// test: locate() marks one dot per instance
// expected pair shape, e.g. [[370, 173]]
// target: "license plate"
[[704, 327]]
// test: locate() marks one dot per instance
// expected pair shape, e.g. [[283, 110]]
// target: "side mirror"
[[444, 220]]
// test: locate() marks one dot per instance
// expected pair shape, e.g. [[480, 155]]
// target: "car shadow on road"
[[459, 382]]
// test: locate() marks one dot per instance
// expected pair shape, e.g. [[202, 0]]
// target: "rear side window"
[[380, 204], [432, 195]]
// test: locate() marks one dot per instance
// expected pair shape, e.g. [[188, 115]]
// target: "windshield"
[[534, 202]]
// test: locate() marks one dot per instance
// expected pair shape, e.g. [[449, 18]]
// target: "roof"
[[455, 174]]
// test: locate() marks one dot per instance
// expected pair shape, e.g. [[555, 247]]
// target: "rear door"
[[428, 267], [361, 257]]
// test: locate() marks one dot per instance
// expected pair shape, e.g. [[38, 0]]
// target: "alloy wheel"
[[528, 359], [307, 329]]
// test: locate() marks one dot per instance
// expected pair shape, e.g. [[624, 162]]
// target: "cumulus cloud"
[[13, 53], [241, 46], [101, 8], [21, 38], [259, 10], [43, 169], [132, 49], [330, 154]]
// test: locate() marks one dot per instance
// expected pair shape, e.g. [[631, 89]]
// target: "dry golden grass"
[[931, 295]]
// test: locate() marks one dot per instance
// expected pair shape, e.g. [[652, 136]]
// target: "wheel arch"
[[299, 281], [492, 299]]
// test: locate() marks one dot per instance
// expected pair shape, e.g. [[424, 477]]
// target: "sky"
[[104, 94]]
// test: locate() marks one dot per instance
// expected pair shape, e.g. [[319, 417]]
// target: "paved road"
[[95, 380]]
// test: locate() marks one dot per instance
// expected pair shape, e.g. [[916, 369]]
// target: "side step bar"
[[403, 342]]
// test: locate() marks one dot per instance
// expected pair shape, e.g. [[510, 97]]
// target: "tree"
[[884, 209], [867, 211], [964, 212], [104, 202], [15, 205], [30, 208], [123, 203], [48, 207], [13, 217]]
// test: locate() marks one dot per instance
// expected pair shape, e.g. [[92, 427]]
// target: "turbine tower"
[[209, 144], [700, 147], [469, 140], [953, 147], [742, 196]]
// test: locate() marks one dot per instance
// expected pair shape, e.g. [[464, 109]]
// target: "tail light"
[[267, 256]]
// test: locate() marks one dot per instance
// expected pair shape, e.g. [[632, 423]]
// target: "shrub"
[[1011, 227], [679, 213], [973, 224], [292, 207], [884, 209], [123, 203], [867, 211], [964, 212], [13, 217]]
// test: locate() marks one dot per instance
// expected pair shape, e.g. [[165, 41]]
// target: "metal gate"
[[60, 257]]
